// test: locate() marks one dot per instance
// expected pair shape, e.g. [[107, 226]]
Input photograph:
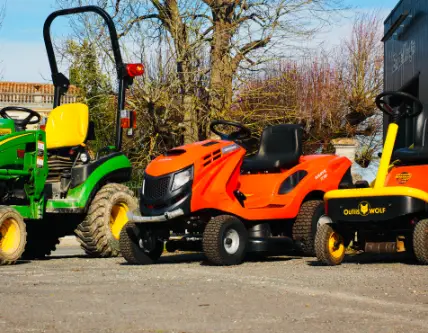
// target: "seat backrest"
[[421, 135], [281, 139], [67, 126]]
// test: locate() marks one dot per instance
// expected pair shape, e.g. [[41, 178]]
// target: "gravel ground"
[[71, 293]]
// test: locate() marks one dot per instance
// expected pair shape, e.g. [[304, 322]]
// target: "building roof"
[[31, 88]]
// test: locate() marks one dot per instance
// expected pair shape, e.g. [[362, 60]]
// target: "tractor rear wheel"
[[225, 240], [139, 245], [13, 235], [329, 246], [420, 241], [99, 232], [305, 226]]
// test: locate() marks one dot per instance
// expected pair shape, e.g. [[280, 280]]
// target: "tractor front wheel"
[[225, 240], [13, 236], [420, 241], [139, 245], [329, 246], [99, 232]]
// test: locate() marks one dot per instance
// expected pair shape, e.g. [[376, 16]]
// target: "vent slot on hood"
[[208, 159], [210, 143], [175, 152]]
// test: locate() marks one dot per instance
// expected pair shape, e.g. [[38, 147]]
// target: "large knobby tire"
[[132, 246], [305, 226], [13, 235], [329, 245], [225, 240], [99, 232], [42, 238], [420, 241]]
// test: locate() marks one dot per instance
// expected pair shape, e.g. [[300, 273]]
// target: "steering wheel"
[[410, 106], [240, 134], [21, 124]]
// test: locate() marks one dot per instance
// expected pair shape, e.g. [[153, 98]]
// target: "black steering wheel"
[[409, 106], [240, 134], [21, 124]]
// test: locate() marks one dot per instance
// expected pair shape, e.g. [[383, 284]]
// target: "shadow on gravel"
[[182, 258], [21, 262], [370, 259], [185, 258]]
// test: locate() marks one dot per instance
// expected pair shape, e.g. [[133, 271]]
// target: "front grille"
[[156, 188]]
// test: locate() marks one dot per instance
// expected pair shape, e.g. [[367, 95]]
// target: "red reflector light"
[[134, 119], [128, 119], [125, 123], [135, 69], [20, 153]]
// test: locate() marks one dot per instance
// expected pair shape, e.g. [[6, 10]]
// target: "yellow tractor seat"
[[67, 126]]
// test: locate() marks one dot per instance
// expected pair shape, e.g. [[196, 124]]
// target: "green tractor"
[[50, 185]]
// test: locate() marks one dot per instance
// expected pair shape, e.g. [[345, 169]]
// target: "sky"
[[22, 53]]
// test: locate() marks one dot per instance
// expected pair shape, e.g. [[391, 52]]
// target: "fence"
[[11, 98]]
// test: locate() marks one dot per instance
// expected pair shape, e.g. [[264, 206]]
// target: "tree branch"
[[131, 23], [247, 48]]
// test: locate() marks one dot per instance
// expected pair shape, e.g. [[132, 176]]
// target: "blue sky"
[[22, 52]]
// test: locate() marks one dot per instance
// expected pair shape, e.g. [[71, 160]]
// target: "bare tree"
[[331, 94], [362, 66], [244, 31], [238, 34]]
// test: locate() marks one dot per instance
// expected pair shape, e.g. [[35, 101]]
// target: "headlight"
[[142, 186], [182, 178], [84, 157]]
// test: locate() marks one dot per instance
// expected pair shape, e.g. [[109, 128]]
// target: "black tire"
[[98, 238], [420, 241], [305, 226], [215, 238], [42, 239], [130, 248], [327, 253], [13, 235]]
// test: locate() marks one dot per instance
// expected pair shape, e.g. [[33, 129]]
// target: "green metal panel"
[[30, 165], [7, 126], [78, 197]]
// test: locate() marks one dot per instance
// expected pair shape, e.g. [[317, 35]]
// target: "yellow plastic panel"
[[377, 192], [385, 160], [67, 126]]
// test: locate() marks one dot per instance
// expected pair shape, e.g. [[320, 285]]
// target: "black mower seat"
[[419, 153], [280, 148], [412, 155]]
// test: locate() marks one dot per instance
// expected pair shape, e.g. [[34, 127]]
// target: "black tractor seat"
[[419, 153], [280, 148]]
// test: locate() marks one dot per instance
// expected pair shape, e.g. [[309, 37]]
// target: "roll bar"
[[62, 83]]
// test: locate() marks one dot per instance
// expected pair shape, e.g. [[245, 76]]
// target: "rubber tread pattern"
[[8, 212], [303, 226], [420, 241], [94, 234]]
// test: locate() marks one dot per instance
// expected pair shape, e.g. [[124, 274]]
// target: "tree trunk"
[[222, 68], [169, 13], [190, 120]]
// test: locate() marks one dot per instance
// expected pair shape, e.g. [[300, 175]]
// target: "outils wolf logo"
[[364, 208], [403, 178]]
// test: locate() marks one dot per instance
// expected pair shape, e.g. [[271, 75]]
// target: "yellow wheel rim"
[[336, 247], [9, 236], [118, 219]]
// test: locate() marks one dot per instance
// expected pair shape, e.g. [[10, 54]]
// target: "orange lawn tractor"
[[208, 196]]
